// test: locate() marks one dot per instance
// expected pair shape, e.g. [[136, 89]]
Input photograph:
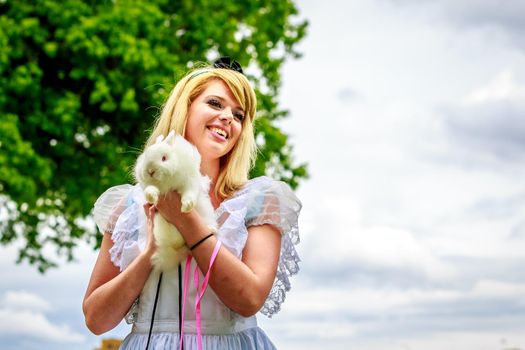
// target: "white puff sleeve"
[[119, 212], [274, 203]]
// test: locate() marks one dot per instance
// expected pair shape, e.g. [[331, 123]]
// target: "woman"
[[213, 108]]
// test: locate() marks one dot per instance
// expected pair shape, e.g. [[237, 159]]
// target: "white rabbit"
[[173, 164]]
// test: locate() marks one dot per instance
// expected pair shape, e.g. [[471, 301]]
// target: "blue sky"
[[411, 115]]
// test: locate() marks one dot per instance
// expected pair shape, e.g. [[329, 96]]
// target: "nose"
[[226, 116]]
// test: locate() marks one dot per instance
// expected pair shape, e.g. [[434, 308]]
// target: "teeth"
[[220, 132]]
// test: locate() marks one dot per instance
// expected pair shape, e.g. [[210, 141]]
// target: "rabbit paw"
[[152, 194], [187, 204]]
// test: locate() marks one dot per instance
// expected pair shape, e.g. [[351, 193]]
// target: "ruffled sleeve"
[[119, 212], [274, 203]]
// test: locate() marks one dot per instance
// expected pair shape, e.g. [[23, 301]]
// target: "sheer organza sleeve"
[[119, 212], [274, 203], [109, 206]]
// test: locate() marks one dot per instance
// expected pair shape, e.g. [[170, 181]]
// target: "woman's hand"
[[169, 205]]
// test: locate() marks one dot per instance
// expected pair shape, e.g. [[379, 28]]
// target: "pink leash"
[[199, 293]]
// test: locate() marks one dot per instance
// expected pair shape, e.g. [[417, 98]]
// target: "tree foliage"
[[82, 81]]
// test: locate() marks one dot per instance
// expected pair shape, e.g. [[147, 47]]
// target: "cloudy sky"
[[411, 115]]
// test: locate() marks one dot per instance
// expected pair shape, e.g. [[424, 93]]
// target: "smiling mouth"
[[219, 132]]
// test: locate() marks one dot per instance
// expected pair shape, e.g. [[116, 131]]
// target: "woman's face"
[[214, 121]]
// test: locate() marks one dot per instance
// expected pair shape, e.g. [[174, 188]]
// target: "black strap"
[[199, 242], [180, 306], [153, 313]]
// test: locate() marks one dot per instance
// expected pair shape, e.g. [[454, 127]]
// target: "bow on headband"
[[228, 63]]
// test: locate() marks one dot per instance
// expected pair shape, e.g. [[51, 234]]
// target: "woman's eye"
[[215, 103], [239, 116]]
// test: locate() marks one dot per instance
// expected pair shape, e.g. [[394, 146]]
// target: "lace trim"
[[133, 313], [287, 267], [120, 240]]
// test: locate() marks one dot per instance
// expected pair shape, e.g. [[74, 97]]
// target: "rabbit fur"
[[173, 164]]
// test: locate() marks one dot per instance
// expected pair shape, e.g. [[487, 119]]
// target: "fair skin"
[[214, 126]]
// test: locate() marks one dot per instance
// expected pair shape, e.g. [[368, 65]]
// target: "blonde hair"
[[234, 166]]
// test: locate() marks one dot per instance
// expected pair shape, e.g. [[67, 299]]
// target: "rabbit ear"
[[159, 138], [171, 137]]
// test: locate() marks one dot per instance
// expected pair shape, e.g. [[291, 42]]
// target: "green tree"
[[78, 82]]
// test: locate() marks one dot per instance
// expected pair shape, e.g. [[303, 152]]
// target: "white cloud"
[[344, 238], [502, 87], [22, 315], [371, 302], [489, 123], [394, 248], [499, 289], [328, 329], [386, 318], [362, 301], [453, 340], [501, 20], [22, 300], [35, 325]]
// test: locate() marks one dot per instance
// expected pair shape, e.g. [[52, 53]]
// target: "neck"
[[211, 169]]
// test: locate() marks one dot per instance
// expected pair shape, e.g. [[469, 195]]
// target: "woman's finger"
[[149, 210]]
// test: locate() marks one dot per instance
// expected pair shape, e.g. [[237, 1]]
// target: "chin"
[[213, 151]]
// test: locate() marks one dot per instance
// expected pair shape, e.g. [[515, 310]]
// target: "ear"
[[159, 138], [171, 137]]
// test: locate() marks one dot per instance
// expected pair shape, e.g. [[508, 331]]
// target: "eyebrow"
[[235, 106]]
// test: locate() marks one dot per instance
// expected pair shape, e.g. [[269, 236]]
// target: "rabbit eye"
[[164, 158]]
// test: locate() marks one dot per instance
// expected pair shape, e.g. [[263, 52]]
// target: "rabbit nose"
[[151, 172]]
